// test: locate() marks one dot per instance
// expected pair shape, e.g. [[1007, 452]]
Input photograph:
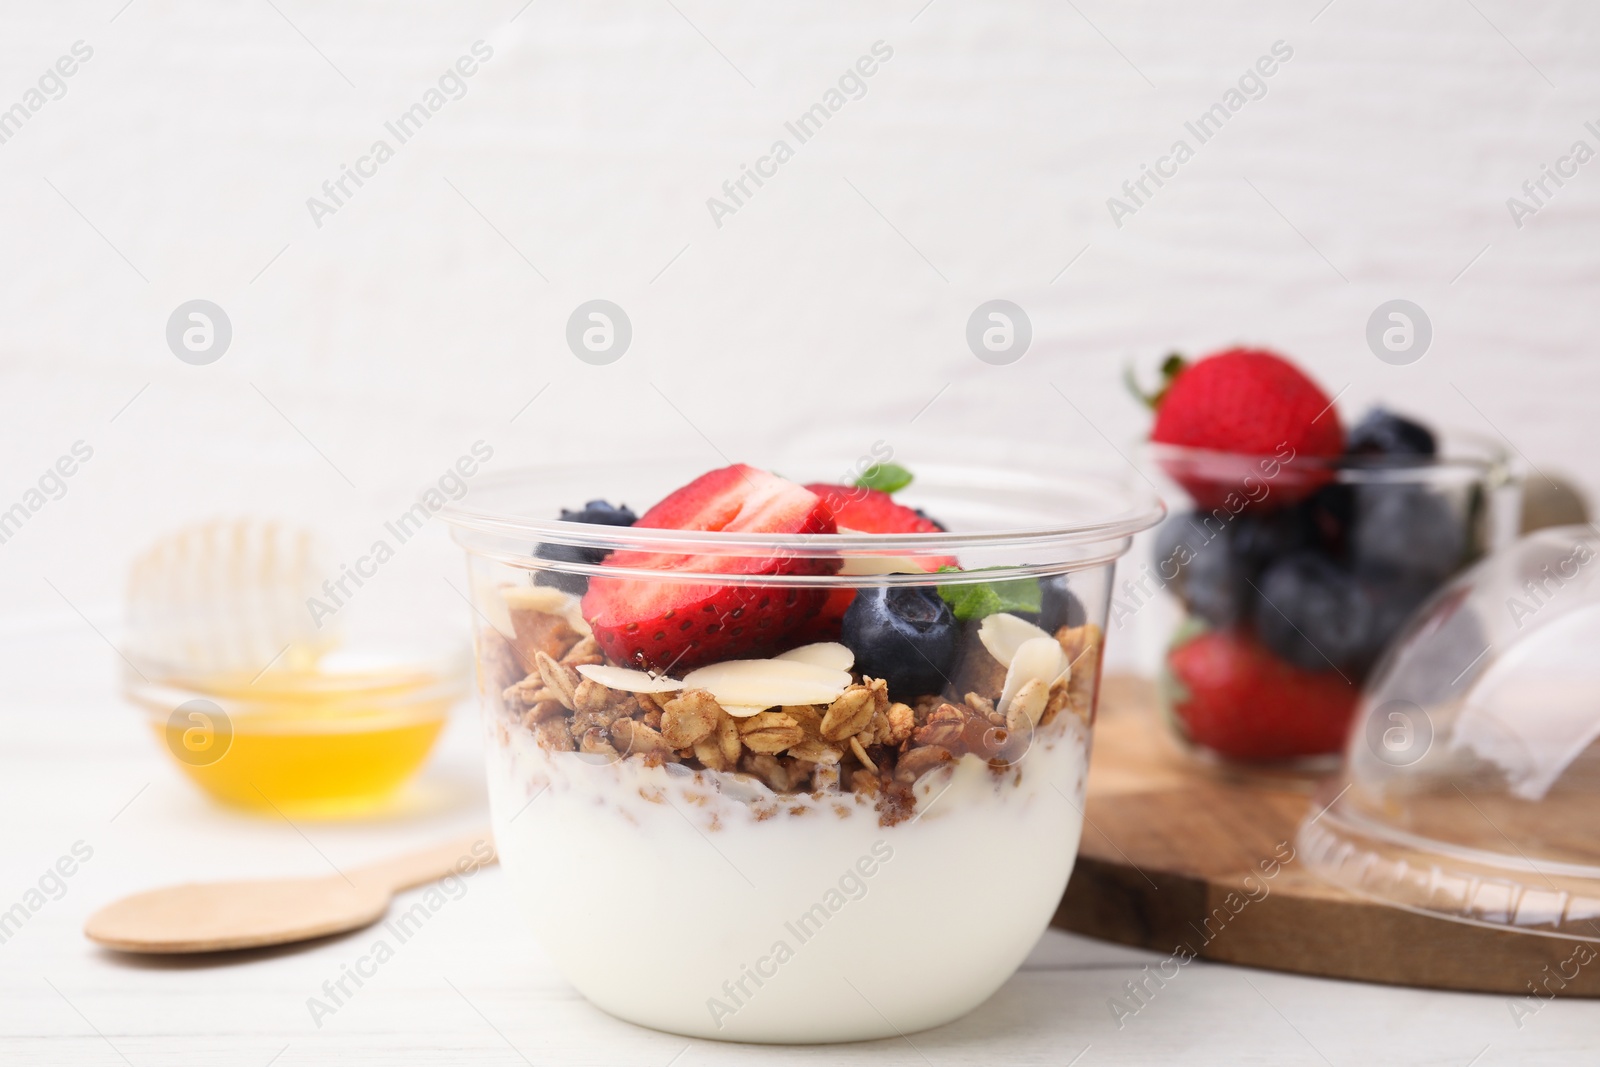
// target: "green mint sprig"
[[970, 601], [884, 477]]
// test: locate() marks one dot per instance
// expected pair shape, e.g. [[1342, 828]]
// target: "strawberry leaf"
[[1171, 367]]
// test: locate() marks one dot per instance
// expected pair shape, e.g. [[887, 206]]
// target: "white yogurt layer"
[[706, 905]]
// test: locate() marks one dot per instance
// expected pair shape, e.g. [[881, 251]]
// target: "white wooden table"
[[76, 765]]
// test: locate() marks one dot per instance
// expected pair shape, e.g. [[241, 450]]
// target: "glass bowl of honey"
[[334, 738], [262, 699]]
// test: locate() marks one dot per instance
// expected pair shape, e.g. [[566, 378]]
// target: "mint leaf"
[[1021, 594], [970, 601], [884, 477]]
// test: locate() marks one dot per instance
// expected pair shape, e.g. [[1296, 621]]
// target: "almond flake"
[[1038, 659], [1003, 634], [547, 600], [769, 682], [1029, 701], [744, 711], [628, 680], [829, 654]]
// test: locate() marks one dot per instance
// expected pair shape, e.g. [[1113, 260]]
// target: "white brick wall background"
[[431, 307]]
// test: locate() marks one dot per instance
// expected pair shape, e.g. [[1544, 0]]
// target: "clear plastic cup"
[[1294, 574], [810, 851]]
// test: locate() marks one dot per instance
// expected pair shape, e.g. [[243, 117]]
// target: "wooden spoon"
[[221, 916]]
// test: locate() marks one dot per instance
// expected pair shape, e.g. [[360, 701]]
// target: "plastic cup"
[[823, 852]]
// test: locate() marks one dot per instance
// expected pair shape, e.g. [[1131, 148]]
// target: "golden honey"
[[302, 741]]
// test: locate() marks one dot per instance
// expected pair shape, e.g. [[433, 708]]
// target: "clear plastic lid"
[[1472, 781]]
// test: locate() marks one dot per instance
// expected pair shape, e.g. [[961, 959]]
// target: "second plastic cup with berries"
[[773, 761], [1294, 573]]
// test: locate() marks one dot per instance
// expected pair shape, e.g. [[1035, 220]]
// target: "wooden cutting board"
[[1168, 838]]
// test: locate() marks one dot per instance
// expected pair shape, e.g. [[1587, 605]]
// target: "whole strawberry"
[[1231, 695], [1246, 402]]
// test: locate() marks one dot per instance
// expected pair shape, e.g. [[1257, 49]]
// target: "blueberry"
[[1383, 433], [576, 584], [595, 513], [1261, 539], [1315, 613], [600, 513], [1058, 605], [1193, 557], [1218, 588], [1394, 598], [1409, 529], [1330, 511], [1171, 553], [906, 635]]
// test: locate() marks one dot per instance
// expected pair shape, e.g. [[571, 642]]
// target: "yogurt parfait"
[[785, 762]]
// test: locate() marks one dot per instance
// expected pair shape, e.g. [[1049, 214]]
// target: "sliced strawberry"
[[676, 625], [872, 510], [828, 623], [730, 498], [867, 511]]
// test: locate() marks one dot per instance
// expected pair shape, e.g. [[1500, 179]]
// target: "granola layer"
[[867, 742]]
